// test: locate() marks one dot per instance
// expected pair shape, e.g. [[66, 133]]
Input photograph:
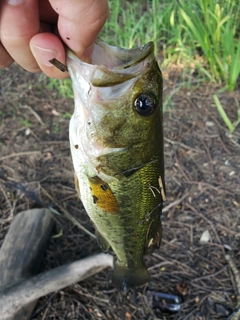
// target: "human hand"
[[32, 32]]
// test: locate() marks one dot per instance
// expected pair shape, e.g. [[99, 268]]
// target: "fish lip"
[[138, 54]]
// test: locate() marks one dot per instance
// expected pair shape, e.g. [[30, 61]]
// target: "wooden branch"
[[235, 315], [20, 257], [14, 298], [22, 250]]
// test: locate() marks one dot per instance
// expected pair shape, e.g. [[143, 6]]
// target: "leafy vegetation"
[[203, 34], [203, 31], [231, 126], [64, 87]]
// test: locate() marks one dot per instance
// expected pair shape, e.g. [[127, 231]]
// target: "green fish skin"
[[116, 140]]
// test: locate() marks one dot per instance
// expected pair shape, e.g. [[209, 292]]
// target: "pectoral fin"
[[154, 236], [103, 196]]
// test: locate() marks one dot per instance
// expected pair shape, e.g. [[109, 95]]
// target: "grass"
[[1, 117], [64, 87], [56, 128], [231, 126], [26, 123], [199, 33], [204, 31], [210, 31]]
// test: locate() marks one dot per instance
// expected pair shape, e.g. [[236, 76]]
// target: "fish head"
[[117, 101]]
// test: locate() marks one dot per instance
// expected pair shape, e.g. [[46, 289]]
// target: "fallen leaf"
[[205, 237]]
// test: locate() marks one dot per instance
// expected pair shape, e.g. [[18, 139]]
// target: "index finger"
[[18, 23], [80, 22]]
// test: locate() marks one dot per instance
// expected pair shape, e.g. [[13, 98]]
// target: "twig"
[[175, 203], [161, 188], [35, 114], [194, 211], [176, 262], [210, 275], [65, 213], [235, 315], [21, 252], [228, 229], [186, 176], [19, 154], [9, 204], [182, 145], [159, 265], [209, 156]]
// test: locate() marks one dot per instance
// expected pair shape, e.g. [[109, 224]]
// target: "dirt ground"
[[202, 162]]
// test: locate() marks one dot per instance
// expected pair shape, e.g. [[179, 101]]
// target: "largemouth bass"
[[116, 139]]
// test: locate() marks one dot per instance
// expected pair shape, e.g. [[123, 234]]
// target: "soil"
[[202, 162]]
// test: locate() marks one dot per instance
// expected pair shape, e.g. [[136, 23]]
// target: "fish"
[[116, 142]]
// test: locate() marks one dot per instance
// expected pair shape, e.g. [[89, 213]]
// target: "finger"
[[46, 46], [79, 23], [18, 24], [5, 59], [47, 13]]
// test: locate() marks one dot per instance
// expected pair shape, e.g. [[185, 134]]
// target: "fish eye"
[[145, 104]]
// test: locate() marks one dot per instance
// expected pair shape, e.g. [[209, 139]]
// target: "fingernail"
[[15, 2], [43, 55]]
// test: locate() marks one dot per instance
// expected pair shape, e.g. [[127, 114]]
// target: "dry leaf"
[[205, 237]]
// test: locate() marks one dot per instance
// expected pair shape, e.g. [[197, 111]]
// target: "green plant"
[[2, 116], [26, 123], [231, 126], [200, 34], [66, 115], [125, 26], [13, 111], [64, 87], [211, 30], [56, 128]]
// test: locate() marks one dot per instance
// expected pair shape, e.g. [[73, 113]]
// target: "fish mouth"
[[111, 65], [114, 57]]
